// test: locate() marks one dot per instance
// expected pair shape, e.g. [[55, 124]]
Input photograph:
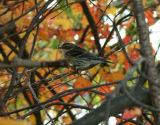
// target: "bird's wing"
[[79, 53], [82, 53]]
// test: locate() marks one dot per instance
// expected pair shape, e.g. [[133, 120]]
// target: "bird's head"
[[67, 46]]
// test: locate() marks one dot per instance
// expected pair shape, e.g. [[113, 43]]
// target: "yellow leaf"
[[13, 122], [93, 70], [111, 11], [104, 69], [7, 50], [55, 54], [144, 3], [121, 57], [158, 11], [63, 21], [32, 119], [97, 78], [21, 35], [5, 17]]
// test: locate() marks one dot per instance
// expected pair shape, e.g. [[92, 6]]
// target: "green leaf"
[[42, 54], [54, 43], [96, 100], [42, 43]]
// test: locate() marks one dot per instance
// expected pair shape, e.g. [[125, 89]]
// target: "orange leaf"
[[68, 35], [110, 77], [107, 77], [135, 55], [11, 100], [30, 96], [121, 57], [43, 34], [32, 119], [104, 89], [60, 88], [131, 113], [149, 16], [67, 120], [118, 75], [82, 82]]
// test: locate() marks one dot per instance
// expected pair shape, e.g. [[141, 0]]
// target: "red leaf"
[[131, 113], [126, 39], [127, 65]]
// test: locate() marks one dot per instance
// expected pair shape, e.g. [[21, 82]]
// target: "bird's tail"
[[107, 62]]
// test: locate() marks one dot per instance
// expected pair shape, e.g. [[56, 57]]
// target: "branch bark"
[[146, 51], [18, 62], [92, 24]]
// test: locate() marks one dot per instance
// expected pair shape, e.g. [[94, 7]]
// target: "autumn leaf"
[[107, 77], [43, 34], [126, 65], [114, 76], [149, 16], [11, 101], [133, 52], [13, 122], [131, 113], [30, 96], [121, 57], [32, 119], [67, 120], [60, 87], [111, 10], [63, 22], [118, 75], [93, 70], [55, 54], [82, 82], [59, 23], [68, 35], [104, 89], [126, 39], [5, 17]]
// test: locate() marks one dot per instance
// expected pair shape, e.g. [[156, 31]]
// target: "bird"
[[79, 58]]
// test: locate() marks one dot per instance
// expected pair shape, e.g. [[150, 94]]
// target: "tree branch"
[[98, 115], [91, 23], [18, 62], [146, 51]]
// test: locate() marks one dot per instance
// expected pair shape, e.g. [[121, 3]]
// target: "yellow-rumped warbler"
[[79, 58]]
